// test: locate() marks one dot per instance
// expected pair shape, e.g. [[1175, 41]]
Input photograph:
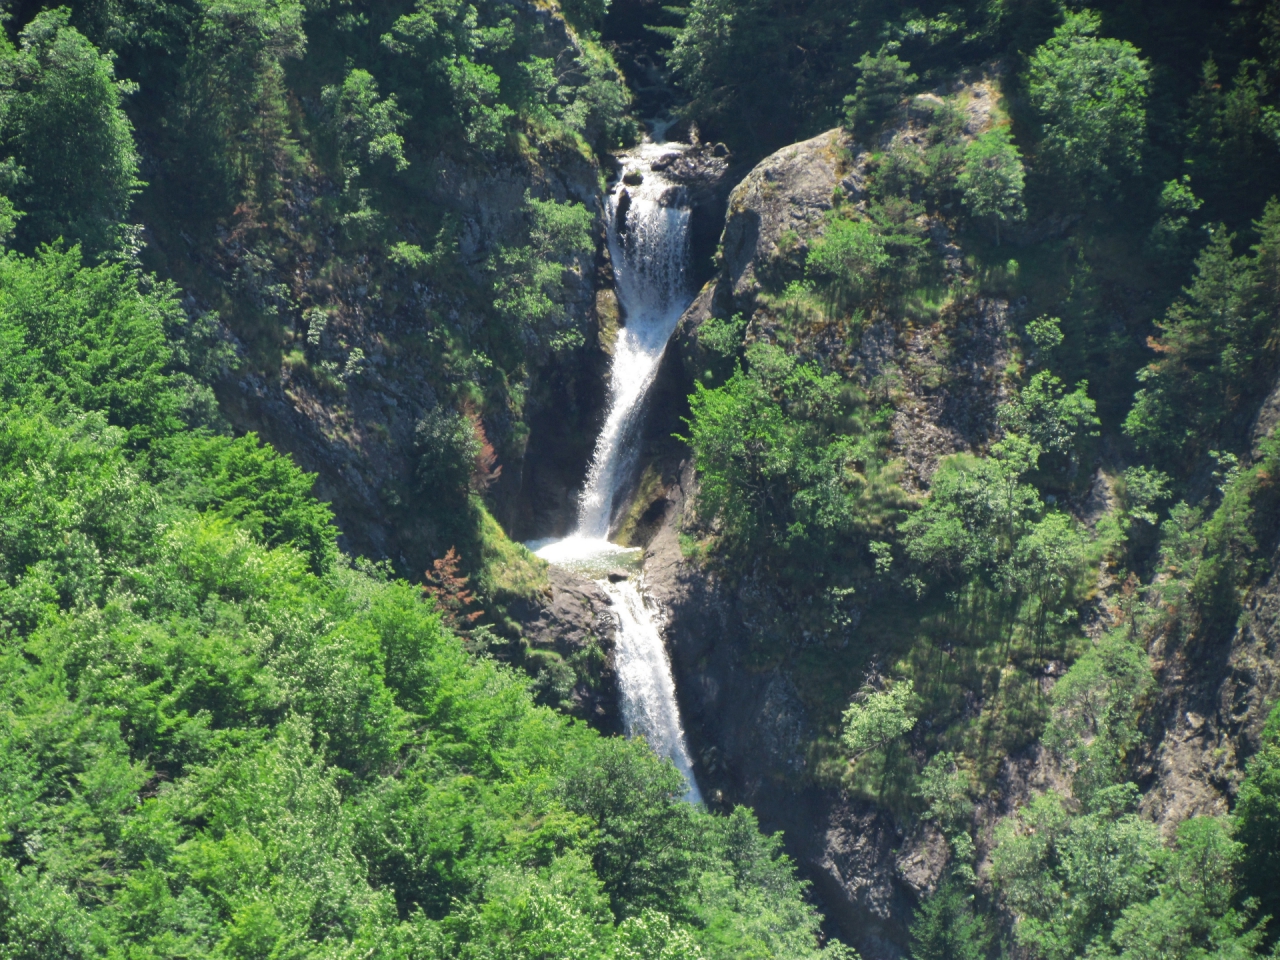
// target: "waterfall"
[[649, 244], [644, 676]]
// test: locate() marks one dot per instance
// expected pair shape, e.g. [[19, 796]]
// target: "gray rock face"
[[748, 732], [1216, 692], [358, 435], [574, 620], [787, 192]]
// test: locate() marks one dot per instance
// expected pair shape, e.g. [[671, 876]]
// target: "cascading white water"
[[644, 676], [649, 244]]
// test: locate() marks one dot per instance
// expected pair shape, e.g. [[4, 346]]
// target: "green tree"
[[1068, 879], [1172, 238], [949, 926], [1217, 348], [529, 280], [878, 719], [779, 468], [1053, 419], [992, 179], [251, 484], [978, 509], [71, 166], [95, 338], [883, 82], [645, 855], [367, 127], [1046, 567], [447, 450], [1194, 912], [1091, 92], [1096, 711], [586, 14], [1231, 137], [234, 96], [1257, 814]]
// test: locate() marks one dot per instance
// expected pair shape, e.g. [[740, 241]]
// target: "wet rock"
[[623, 209], [617, 576], [633, 178], [570, 618]]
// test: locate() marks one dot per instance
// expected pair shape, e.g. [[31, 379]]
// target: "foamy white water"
[[644, 676], [649, 244]]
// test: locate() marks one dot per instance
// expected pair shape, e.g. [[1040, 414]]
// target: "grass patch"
[[508, 570]]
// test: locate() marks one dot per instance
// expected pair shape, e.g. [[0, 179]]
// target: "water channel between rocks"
[[648, 232]]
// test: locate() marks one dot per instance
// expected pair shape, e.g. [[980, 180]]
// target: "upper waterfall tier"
[[649, 244]]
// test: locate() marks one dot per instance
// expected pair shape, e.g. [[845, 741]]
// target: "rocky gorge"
[[750, 730]]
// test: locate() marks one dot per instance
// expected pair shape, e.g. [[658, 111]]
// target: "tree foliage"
[[992, 179], [879, 719], [220, 737], [70, 164], [1258, 821], [1092, 93], [1217, 344], [778, 462], [883, 81]]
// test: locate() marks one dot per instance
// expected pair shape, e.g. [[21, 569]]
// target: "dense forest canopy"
[[221, 734]]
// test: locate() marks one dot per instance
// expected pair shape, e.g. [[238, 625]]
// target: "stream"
[[648, 230]]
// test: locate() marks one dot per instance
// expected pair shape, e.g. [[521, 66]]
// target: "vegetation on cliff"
[[221, 735], [1059, 181]]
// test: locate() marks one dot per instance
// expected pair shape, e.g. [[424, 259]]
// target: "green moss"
[[508, 570], [633, 531]]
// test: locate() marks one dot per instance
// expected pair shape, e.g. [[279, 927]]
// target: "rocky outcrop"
[[946, 379], [573, 620], [751, 730], [789, 192]]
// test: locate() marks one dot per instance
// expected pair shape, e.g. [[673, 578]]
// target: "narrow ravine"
[[648, 232]]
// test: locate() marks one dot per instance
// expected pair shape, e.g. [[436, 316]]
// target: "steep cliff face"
[[1216, 690], [356, 428], [753, 719], [750, 725], [748, 731]]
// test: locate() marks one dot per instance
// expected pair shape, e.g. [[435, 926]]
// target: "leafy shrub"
[[774, 470], [71, 166], [992, 179], [1092, 93], [850, 262], [447, 449], [529, 280]]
